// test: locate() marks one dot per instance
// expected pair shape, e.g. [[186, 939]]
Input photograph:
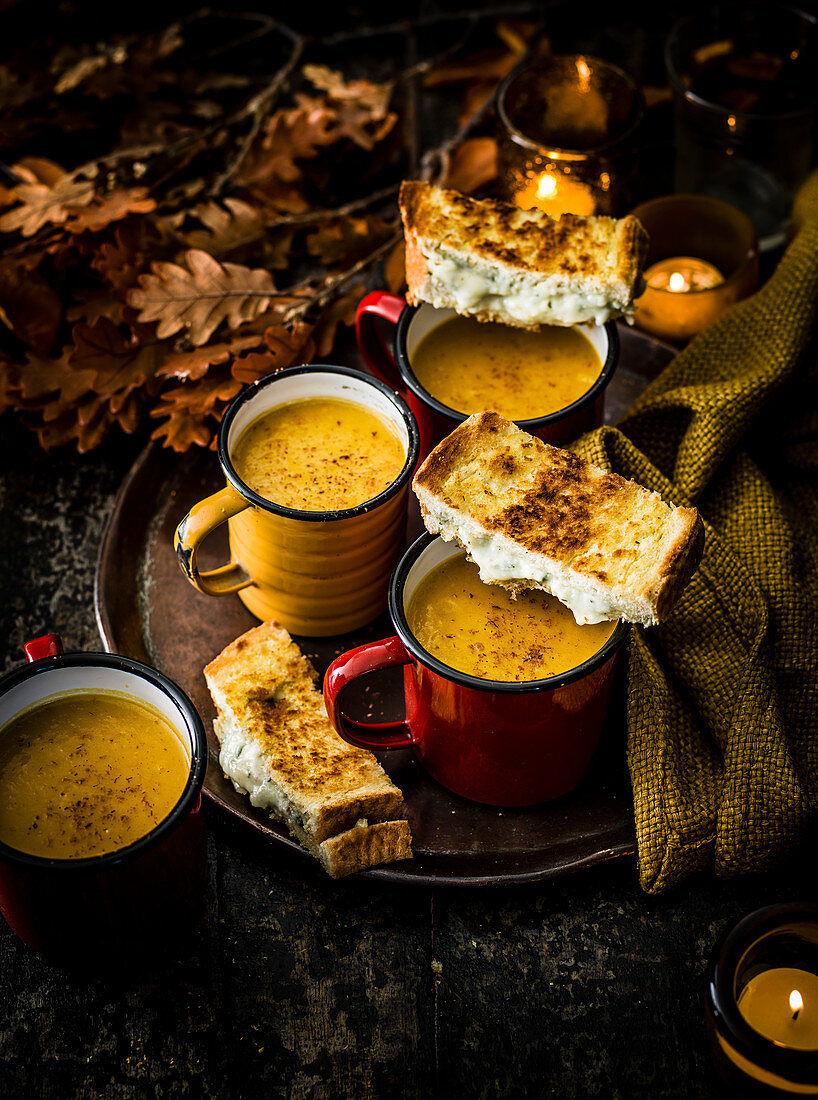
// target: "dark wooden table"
[[295, 986]]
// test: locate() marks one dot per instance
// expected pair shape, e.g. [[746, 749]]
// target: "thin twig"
[[435, 162], [331, 287], [331, 213], [259, 107]]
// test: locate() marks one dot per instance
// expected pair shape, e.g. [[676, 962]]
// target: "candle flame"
[[546, 187], [677, 282], [796, 1003], [584, 74]]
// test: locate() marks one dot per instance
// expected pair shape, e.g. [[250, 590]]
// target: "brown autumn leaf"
[[361, 106], [201, 296], [9, 384], [341, 311], [112, 207], [191, 412], [29, 307], [195, 364], [347, 239], [90, 305], [118, 261], [473, 164], [39, 170], [291, 134], [42, 376], [228, 226], [86, 424], [119, 364], [40, 204]]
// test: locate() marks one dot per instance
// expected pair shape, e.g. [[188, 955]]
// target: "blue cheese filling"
[[515, 294]]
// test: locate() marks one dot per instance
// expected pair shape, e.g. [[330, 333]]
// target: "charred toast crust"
[[612, 536], [264, 687], [598, 250], [366, 846]]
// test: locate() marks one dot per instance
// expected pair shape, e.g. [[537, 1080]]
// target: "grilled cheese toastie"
[[534, 516], [493, 261], [277, 745]]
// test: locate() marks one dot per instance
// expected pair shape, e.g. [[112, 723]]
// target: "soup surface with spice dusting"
[[87, 773], [470, 366], [319, 454], [479, 629]]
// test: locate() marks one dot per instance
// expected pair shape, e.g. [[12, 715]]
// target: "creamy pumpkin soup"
[[87, 773], [319, 454], [477, 628], [469, 366]]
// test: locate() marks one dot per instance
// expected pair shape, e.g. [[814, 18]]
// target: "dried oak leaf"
[[40, 204], [291, 134], [286, 346], [90, 305], [85, 424], [228, 226], [42, 376], [341, 311], [29, 307], [195, 364], [361, 106], [473, 164], [347, 238], [191, 412], [120, 364], [9, 384], [112, 207], [201, 296], [118, 261]]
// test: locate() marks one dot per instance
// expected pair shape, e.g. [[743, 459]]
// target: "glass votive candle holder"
[[761, 1003], [702, 257], [745, 96], [566, 136]]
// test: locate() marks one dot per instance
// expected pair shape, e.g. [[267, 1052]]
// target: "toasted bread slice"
[[278, 745], [364, 845], [489, 260], [535, 516]]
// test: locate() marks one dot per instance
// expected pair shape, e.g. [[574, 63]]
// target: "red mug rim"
[[497, 687], [192, 788], [244, 490], [534, 424]]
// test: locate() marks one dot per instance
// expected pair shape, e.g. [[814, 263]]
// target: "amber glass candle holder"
[[566, 136], [761, 1003], [702, 257]]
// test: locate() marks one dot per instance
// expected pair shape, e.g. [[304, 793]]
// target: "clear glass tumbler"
[[745, 92]]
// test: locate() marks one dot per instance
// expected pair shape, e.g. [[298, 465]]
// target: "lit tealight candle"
[[682, 295], [682, 274], [556, 193], [782, 1005]]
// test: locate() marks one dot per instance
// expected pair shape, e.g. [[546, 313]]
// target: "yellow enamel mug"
[[318, 573]]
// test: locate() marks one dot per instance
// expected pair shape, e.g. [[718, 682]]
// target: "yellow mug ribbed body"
[[319, 577]]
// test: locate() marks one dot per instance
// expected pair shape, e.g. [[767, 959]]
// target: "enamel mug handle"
[[348, 667], [49, 645], [374, 348], [201, 520]]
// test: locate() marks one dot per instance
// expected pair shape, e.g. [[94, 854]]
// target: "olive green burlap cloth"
[[723, 698]]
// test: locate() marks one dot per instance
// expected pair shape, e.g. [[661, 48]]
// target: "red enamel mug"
[[388, 331], [145, 893], [504, 744]]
